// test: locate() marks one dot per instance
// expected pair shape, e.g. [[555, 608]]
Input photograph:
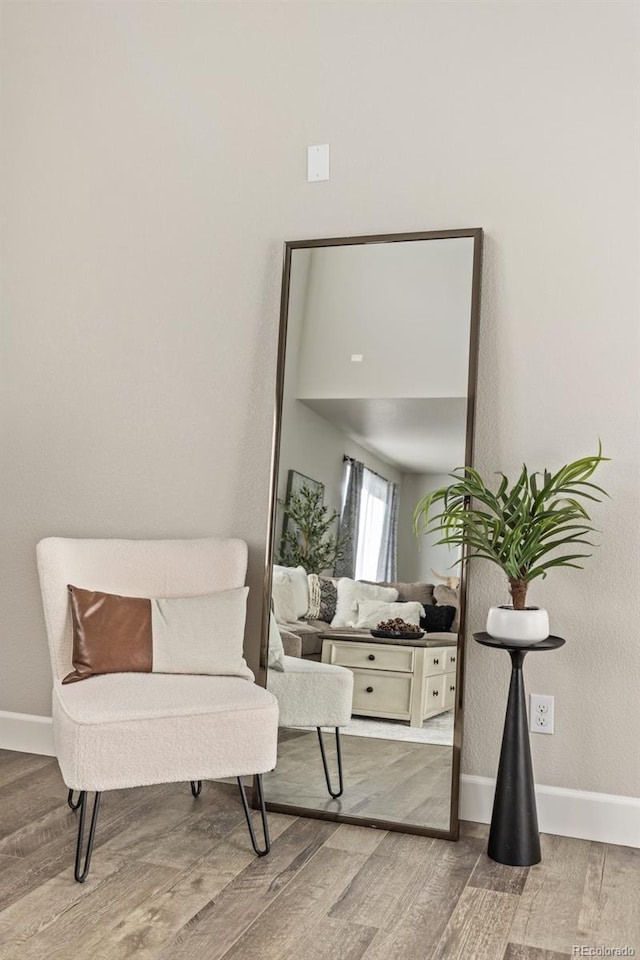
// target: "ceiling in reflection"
[[416, 435]]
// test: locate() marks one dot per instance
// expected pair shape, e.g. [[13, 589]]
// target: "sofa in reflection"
[[412, 680], [310, 608]]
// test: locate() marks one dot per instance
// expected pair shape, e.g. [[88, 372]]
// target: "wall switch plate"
[[357, 357], [540, 713], [318, 162]]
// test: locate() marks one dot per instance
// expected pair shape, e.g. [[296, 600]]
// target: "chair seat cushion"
[[133, 729], [312, 694]]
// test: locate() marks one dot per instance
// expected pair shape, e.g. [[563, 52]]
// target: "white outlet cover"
[[318, 162], [541, 713]]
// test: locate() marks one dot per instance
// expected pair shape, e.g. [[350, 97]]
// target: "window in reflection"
[[375, 534]]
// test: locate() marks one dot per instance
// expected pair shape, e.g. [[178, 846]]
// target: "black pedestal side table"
[[514, 838]]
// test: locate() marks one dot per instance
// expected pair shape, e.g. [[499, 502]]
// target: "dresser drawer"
[[372, 656], [381, 694], [435, 694], [449, 691], [436, 661], [451, 658]]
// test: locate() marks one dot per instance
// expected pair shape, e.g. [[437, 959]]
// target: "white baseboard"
[[566, 813], [604, 817], [26, 733]]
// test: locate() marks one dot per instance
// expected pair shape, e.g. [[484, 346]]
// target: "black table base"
[[514, 838]]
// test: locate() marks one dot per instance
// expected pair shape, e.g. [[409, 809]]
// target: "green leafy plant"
[[306, 541], [521, 526]]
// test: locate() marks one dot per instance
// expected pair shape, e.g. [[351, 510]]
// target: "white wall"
[[309, 443], [418, 557], [156, 164], [396, 304], [313, 446]]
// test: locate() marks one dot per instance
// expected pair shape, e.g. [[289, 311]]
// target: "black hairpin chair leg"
[[81, 872], [340, 791], [263, 812], [196, 788]]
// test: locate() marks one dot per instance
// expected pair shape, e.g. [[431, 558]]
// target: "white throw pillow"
[[282, 594], [300, 583], [275, 659], [201, 634], [299, 593], [373, 612], [350, 592]]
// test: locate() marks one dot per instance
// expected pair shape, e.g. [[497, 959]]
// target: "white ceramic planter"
[[520, 627]]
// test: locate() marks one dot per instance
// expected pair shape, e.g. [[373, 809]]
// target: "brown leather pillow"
[[111, 634]]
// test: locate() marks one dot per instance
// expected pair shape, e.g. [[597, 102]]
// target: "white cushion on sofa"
[[300, 584], [291, 582], [350, 592], [372, 612], [282, 596]]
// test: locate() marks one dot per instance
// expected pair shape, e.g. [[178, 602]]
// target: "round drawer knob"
[[369, 689], [371, 656]]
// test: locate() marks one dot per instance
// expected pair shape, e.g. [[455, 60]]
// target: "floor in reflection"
[[438, 729], [384, 779]]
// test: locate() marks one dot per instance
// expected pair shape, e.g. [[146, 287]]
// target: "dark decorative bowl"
[[384, 635]]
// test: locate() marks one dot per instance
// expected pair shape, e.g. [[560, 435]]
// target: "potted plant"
[[520, 527], [307, 542]]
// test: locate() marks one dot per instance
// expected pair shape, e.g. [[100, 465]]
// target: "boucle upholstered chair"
[[312, 694], [135, 729]]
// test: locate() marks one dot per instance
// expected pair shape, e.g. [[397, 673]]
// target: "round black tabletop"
[[551, 643]]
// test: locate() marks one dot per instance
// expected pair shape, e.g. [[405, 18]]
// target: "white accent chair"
[[135, 729], [312, 694]]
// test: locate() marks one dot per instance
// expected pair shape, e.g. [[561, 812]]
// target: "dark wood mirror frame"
[[289, 247]]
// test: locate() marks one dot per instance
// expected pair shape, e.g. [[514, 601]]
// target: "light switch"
[[318, 162], [356, 358]]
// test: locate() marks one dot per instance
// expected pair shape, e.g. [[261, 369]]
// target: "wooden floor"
[[385, 779], [174, 878]]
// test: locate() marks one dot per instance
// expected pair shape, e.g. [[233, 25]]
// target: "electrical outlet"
[[540, 713]]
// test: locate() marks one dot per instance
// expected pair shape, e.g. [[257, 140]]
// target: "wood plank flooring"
[[386, 779], [173, 878]]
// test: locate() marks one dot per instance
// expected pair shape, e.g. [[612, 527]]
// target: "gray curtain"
[[348, 527], [388, 564]]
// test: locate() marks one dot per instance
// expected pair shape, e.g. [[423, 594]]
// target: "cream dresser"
[[397, 680]]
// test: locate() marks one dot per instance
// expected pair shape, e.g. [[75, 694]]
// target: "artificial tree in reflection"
[[306, 541]]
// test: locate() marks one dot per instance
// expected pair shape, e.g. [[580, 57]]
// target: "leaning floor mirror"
[[363, 633]]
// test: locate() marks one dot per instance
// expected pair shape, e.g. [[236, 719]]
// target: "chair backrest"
[[131, 568]]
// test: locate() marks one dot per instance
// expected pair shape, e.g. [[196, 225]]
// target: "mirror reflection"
[[364, 630]]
